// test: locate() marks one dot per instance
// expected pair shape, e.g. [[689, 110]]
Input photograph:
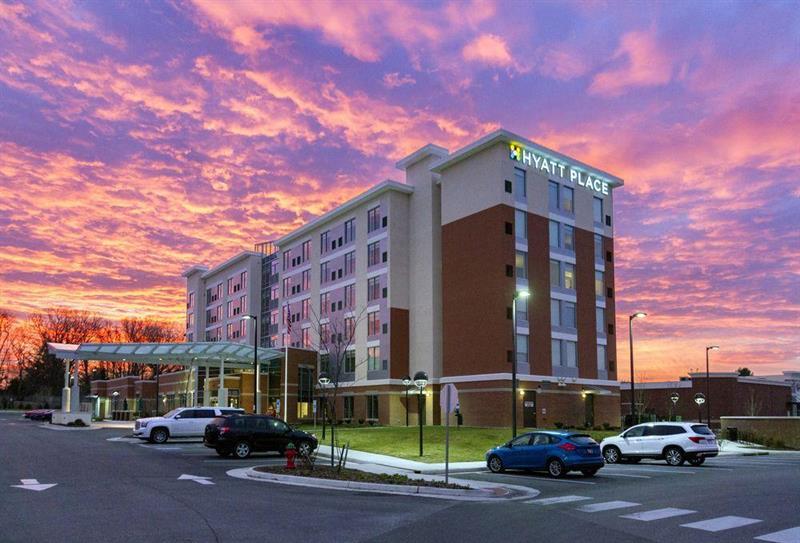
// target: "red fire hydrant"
[[290, 454]]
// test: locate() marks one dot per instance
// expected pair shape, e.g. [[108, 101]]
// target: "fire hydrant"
[[290, 454]]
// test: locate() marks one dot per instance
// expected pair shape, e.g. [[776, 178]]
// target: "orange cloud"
[[488, 49]]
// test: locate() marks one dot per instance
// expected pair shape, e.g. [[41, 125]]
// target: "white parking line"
[[668, 470], [658, 514], [606, 506], [559, 499], [792, 535], [606, 474], [721, 523]]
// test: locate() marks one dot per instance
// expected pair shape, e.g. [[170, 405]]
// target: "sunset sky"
[[139, 138]]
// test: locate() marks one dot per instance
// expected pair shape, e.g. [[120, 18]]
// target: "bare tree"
[[642, 397], [335, 342], [7, 324], [148, 330], [753, 406]]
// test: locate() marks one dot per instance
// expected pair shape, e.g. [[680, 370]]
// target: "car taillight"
[[567, 446], [695, 439], [224, 430]]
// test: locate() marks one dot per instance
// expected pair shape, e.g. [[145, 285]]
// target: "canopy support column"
[[65, 393], [222, 396], [75, 396], [206, 390]]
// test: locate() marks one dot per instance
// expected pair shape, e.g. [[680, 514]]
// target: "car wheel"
[[496, 465], [674, 456], [159, 436], [242, 449], [304, 448], [589, 472], [556, 468], [697, 460], [611, 454], [223, 453]]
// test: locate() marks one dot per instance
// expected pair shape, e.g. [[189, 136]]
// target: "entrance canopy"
[[235, 355]]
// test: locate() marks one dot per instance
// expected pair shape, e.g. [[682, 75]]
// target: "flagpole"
[[286, 385]]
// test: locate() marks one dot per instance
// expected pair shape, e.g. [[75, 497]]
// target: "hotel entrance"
[[529, 409]]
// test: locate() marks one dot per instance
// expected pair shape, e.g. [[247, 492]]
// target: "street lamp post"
[[256, 366], [324, 381], [115, 394], [407, 383], [517, 295], [708, 382], [420, 380], [637, 315]]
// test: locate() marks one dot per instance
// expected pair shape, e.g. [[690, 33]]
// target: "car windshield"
[[171, 414], [582, 439], [702, 429]]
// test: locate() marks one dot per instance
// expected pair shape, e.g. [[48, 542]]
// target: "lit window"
[[599, 284], [569, 238], [569, 275], [522, 264]]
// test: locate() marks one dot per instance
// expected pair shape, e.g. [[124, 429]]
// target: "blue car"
[[555, 452]]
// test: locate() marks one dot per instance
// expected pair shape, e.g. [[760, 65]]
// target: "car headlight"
[[142, 424]]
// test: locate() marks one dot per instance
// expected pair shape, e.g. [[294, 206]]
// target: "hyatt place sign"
[[553, 167]]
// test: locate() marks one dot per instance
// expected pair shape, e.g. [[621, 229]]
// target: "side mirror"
[[509, 445]]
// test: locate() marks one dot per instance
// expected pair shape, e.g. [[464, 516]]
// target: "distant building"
[[728, 394]]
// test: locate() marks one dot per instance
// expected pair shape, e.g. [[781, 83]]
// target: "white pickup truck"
[[180, 422]]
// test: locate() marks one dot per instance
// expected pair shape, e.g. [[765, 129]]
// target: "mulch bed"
[[326, 472]]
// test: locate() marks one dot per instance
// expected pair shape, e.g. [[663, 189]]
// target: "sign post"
[[699, 399], [448, 400], [674, 399]]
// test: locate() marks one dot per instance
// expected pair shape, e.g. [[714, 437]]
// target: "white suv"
[[675, 442], [180, 422]]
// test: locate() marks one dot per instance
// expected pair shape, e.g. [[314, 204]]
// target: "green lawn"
[[466, 443]]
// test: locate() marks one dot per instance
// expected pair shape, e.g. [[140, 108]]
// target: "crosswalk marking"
[[721, 523], [658, 514], [606, 506], [792, 535], [558, 499]]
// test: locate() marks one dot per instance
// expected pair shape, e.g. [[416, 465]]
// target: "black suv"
[[241, 435]]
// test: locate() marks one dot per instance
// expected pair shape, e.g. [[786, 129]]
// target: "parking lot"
[[108, 485]]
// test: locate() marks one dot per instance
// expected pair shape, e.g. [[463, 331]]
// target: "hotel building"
[[422, 276]]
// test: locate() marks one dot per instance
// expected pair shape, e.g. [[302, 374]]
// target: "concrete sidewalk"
[[401, 465], [116, 424]]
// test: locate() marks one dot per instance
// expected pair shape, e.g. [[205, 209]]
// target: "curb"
[[480, 492]]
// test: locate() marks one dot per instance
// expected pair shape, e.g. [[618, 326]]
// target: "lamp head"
[[712, 348], [522, 293], [639, 315], [406, 380], [420, 379], [324, 379], [249, 317]]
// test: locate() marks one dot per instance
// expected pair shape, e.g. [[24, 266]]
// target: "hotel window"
[[522, 348], [230, 308], [304, 308], [306, 338], [522, 308], [348, 407], [243, 328], [350, 263], [273, 267], [555, 352], [306, 279], [323, 242], [555, 312], [522, 264], [569, 238], [600, 319], [598, 248], [324, 333], [599, 283], [553, 195], [569, 275], [373, 323], [350, 361], [306, 250], [373, 358], [287, 287], [568, 314], [242, 305], [190, 301], [350, 296], [373, 253], [349, 230], [209, 296], [373, 288], [273, 317], [602, 364], [597, 207], [189, 320], [555, 274], [520, 190], [323, 272], [521, 224], [570, 354], [349, 328], [325, 363], [286, 259], [567, 196], [274, 294], [372, 406], [374, 219], [555, 235], [324, 301]]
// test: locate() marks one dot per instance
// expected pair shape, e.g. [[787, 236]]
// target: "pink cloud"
[[488, 49], [395, 79], [644, 64]]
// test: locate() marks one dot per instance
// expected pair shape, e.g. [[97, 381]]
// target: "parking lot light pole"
[[324, 381], [407, 383], [420, 380], [637, 315], [708, 387], [256, 367], [523, 294]]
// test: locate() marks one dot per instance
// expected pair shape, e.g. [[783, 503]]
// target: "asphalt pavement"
[[111, 487]]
